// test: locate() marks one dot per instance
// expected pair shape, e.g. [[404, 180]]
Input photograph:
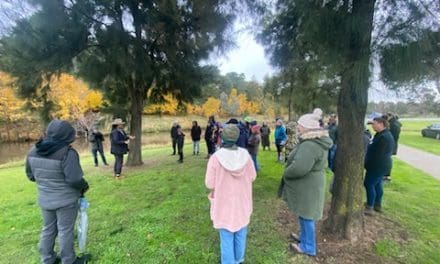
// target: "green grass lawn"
[[160, 214], [411, 136]]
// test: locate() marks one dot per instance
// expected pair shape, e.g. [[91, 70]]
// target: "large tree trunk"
[[346, 213], [137, 105]]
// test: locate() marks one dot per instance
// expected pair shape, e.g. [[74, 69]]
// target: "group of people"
[[310, 146], [119, 140], [232, 167], [249, 137], [230, 174]]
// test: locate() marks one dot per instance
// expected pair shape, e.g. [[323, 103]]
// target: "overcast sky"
[[248, 58]]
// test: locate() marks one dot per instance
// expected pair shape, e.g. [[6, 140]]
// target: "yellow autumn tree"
[[72, 97], [11, 107], [211, 107], [193, 109], [170, 106], [237, 104]]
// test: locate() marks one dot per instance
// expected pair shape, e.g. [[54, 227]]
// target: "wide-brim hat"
[[118, 121]]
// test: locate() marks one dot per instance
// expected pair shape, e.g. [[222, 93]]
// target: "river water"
[[17, 151]]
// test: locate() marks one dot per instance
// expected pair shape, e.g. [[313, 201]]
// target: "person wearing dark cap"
[[54, 165], [119, 145], [229, 176], [378, 163]]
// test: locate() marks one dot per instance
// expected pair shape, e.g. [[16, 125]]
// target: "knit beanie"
[[311, 120], [230, 134]]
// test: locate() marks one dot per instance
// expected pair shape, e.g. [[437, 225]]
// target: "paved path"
[[427, 162]]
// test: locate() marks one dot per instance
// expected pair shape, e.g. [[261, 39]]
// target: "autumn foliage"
[[11, 108], [234, 104], [72, 98]]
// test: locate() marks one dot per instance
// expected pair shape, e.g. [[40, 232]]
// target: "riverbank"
[[160, 214]]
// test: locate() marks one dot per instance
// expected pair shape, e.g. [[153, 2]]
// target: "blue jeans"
[[307, 236], [233, 246], [196, 147], [256, 165], [374, 188]]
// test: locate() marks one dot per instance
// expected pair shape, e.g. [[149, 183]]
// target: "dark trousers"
[[180, 151], [61, 223], [174, 146], [331, 157], [119, 160], [211, 147], [373, 186], [95, 156]]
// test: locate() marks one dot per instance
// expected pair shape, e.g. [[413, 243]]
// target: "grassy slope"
[[160, 214], [411, 136]]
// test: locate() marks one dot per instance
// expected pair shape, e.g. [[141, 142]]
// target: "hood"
[[233, 160], [59, 134], [320, 137]]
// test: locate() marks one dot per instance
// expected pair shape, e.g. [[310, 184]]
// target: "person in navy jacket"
[[119, 145], [378, 163]]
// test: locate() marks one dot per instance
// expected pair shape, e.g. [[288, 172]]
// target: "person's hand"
[[127, 141], [131, 137]]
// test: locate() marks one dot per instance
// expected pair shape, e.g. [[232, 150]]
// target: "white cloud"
[[248, 58]]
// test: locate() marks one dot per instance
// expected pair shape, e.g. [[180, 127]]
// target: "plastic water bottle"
[[82, 224]]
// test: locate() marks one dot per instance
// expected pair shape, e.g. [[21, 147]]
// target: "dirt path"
[[427, 162]]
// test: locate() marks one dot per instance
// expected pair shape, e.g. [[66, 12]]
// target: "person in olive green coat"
[[303, 182]]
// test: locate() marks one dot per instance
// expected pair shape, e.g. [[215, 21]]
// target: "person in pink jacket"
[[229, 176]]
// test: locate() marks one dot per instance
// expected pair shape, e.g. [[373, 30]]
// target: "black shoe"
[[180, 161], [83, 259], [57, 260]]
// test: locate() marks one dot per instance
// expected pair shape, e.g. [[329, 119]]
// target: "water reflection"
[[17, 151]]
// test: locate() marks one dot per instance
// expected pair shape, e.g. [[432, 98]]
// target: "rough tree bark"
[[346, 213], [136, 107]]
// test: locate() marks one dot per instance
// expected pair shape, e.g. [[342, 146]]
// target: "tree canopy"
[[124, 47]]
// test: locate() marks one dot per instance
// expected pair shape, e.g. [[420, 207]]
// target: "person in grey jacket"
[[54, 165]]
